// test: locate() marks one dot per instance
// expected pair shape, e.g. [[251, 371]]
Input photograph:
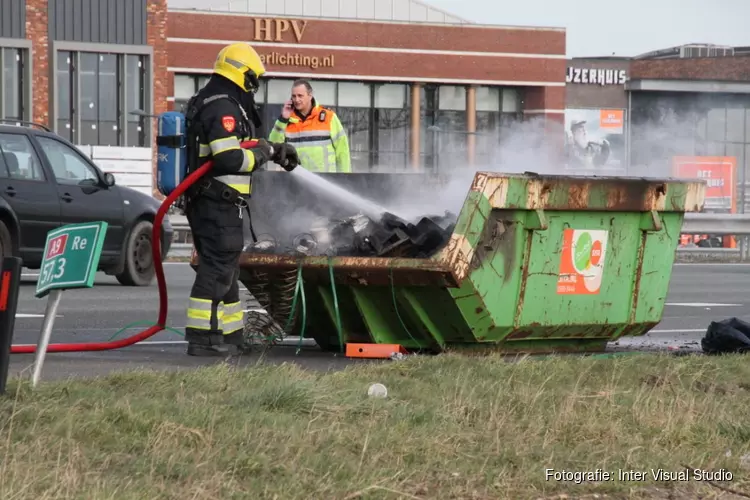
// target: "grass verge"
[[451, 427]]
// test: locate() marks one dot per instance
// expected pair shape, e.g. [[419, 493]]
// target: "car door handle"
[[10, 191], [67, 197]]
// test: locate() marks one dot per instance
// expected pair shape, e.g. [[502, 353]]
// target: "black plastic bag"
[[727, 336]]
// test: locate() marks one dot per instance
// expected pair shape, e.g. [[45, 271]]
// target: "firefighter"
[[220, 116], [315, 131]]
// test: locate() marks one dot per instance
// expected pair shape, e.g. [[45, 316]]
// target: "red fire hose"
[[156, 255]]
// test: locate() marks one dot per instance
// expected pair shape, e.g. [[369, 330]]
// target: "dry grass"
[[451, 428]]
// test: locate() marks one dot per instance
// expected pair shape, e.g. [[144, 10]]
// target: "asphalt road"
[[699, 293]]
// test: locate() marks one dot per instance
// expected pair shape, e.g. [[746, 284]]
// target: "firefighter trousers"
[[215, 313]]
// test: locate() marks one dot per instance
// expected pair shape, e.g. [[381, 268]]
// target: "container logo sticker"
[[582, 262]]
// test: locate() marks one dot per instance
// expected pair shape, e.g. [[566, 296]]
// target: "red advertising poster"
[[719, 172]]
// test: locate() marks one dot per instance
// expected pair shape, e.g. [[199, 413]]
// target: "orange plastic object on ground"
[[379, 351]]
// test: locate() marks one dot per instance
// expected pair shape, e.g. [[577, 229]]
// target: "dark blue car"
[[47, 182]]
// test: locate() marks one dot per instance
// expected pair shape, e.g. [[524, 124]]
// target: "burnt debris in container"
[[359, 235]]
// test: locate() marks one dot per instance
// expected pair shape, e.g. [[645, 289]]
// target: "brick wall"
[[351, 33], [536, 98], [157, 38], [370, 49], [547, 104], [734, 69], [37, 32]]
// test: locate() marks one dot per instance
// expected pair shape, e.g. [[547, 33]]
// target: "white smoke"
[[533, 145]]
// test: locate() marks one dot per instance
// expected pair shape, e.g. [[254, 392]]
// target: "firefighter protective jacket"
[[223, 125]]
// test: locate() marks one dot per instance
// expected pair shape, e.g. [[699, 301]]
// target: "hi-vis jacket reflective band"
[[229, 318], [320, 140], [237, 181]]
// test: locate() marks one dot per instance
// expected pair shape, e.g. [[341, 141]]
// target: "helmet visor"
[[250, 78], [251, 81]]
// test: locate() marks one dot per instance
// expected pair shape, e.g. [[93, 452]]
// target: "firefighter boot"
[[206, 344], [236, 341], [208, 351]]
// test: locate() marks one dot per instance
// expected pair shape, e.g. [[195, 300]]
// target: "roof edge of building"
[[467, 24], [442, 11], [601, 58]]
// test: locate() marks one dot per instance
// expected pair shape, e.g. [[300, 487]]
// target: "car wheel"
[[6, 241], [139, 264]]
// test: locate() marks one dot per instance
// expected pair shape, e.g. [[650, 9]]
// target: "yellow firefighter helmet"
[[241, 64]]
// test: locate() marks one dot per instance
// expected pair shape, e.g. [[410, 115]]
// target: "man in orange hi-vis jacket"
[[315, 132]]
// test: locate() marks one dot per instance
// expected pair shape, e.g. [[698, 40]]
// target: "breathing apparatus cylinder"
[[172, 157]]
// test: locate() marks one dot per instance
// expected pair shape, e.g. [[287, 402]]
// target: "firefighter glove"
[[285, 155], [263, 152]]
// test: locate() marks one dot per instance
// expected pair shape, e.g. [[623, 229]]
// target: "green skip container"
[[535, 264]]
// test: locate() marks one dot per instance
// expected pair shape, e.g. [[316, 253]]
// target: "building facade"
[[413, 86], [82, 68], [685, 112]]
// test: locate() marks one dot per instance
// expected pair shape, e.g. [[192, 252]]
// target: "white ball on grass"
[[377, 391]]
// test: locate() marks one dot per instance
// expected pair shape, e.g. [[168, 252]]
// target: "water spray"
[[358, 203]]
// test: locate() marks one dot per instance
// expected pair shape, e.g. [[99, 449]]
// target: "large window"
[[392, 110], [137, 97], [14, 101], [376, 117], [444, 129], [99, 96], [185, 86], [428, 134], [451, 119], [443, 134], [488, 123], [354, 107], [498, 110], [667, 125]]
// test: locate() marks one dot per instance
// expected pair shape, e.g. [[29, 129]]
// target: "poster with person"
[[595, 140]]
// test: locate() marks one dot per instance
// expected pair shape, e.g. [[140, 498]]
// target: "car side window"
[[3, 166], [19, 158], [67, 164]]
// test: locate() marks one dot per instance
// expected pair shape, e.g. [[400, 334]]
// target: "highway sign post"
[[71, 260]]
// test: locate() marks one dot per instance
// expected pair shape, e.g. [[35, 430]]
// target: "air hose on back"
[[161, 322]]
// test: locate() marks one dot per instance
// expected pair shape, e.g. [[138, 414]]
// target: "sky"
[[624, 28]]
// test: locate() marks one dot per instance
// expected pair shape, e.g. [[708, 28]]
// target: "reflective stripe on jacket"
[[320, 140], [239, 181], [222, 125]]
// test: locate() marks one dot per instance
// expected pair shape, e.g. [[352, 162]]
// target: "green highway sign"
[[71, 257]]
